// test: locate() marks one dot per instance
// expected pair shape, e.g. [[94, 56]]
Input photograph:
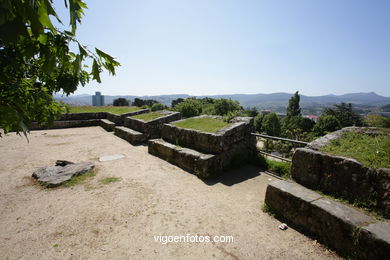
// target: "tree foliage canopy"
[[344, 114], [36, 60], [326, 124], [271, 124], [293, 108], [120, 102]]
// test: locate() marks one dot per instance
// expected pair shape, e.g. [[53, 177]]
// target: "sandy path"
[[119, 220]]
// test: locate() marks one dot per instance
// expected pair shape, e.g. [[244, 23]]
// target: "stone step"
[[200, 164], [129, 135], [342, 227], [107, 125]]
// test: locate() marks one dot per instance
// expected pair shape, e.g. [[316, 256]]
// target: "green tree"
[[252, 112], [326, 124], [138, 102], [293, 124], [176, 101], [293, 108], [157, 106], [258, 122], [344, 114], [271, 124], [120, 102], [36, 61]]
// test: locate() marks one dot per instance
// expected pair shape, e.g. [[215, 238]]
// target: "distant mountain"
[[275, 101]]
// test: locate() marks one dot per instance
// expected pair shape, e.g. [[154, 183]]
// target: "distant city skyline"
[[240, 47]]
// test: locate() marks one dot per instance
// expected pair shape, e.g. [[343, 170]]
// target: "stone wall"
[[70, 120], [205, 142], [340, 176], [151, 128], [82, 116], [68, 124], [119, 119]]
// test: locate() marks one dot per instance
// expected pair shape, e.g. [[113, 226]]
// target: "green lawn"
[[371, 150], [112, 109], [205, 124], [149, 116]]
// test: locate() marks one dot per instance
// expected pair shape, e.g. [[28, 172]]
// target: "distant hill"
[[275, 101]]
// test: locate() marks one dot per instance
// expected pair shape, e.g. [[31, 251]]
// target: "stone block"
[[342, 227], [374, 241], [129, 135], [337, 224], [202, 165], [291, 200], [107, 125]]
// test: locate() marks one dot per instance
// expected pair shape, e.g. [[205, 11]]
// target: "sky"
[[208, 47]]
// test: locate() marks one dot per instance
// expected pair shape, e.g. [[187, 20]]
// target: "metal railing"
[[278, 139]]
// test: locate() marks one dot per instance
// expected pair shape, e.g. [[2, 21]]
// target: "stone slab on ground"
[[111, 157], [63, 171], [344, 228], [129, 135]]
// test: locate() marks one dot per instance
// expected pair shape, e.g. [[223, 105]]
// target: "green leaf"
[[82, 50], [43, 16], [42, 39], [96, 71]]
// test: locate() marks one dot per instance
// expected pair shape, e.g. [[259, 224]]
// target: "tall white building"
[[97, 99]]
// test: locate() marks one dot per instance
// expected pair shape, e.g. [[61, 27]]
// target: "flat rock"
[[112, 157], [63, 170]]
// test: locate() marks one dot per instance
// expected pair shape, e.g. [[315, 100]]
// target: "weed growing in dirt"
[[109, 180], [79, 179]]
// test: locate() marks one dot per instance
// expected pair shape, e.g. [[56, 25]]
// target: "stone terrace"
[[202, 153]]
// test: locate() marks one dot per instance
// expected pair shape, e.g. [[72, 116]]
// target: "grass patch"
[[111, 109], [149, 116], [109, 180], [283, 169], [205, 124], [79, 179], [371, 150]]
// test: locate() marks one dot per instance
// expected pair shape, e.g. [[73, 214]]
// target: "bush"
[[157, 106], [377, 121], [224, 106], [326, 124], [189, 107]]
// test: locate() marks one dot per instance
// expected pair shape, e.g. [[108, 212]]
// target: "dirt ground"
[[120, 220]]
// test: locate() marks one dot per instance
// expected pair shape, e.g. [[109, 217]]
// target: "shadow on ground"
[[236, 175]]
